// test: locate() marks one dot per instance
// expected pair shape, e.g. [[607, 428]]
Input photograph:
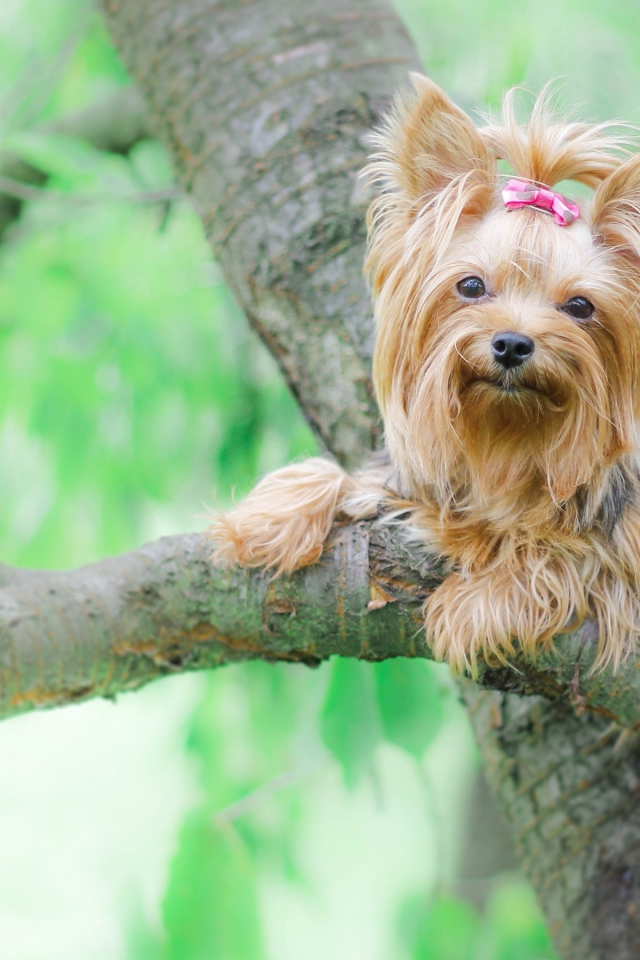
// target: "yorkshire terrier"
[[507, 370]]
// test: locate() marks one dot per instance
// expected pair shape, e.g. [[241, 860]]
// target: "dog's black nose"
[[511, 349]]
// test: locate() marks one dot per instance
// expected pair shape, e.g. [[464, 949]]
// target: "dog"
[[507, 371]]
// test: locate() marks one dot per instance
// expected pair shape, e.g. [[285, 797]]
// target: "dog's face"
[[508, 348]]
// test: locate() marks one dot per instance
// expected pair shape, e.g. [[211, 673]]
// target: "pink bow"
[[521, 193]]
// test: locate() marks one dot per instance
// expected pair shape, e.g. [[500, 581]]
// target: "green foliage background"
[[259, 812]]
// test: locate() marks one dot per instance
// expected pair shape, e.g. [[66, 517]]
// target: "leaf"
[[150, 164], [142, 941], [210, 909], [350, 723], [71, 162], [448, 929], [514, 922], [410, 701], [379, 597]]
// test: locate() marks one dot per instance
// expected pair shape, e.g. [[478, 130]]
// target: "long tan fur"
[[526, 480]]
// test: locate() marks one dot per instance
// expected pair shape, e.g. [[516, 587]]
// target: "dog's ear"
[[426, 143], [616, 209]]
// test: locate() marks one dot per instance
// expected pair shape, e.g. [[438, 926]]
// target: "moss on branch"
[[167, 608]]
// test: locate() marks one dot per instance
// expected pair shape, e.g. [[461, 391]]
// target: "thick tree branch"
[[167, 608]]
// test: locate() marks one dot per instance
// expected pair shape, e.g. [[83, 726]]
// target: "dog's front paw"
[[285, 520], [257, 540], [465, 619]]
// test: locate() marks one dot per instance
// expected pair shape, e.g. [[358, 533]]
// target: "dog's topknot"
[[548, 149]]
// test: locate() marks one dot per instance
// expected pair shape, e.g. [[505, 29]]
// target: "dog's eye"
[[471, 288], [579, 308]]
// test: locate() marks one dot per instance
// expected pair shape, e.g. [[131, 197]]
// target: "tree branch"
[[166, 608]]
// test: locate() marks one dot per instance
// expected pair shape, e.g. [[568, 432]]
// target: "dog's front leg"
[[285, 521], [487, 613]]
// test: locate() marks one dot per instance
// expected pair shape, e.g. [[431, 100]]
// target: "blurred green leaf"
[[72, 163], [131, 376], [96, 70], [410, 701], [244, 735], [514, 922], [142, 942], [350, 721], [448, 930], [210, 909], [150, 164]]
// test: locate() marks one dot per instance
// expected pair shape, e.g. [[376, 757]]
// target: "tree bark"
[[569, 784], [264, 106], [166, 608]]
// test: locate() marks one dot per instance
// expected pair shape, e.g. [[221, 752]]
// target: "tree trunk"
[[264, 106], [569, 785]]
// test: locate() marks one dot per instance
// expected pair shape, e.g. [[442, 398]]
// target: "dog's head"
[[508, 346]]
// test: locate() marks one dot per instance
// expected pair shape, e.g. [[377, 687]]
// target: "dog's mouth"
[[508, 385]]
